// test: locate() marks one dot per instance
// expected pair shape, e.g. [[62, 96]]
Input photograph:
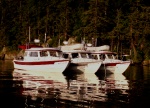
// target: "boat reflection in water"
[[83, 89]]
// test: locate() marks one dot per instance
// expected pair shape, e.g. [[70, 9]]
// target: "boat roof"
[[43, 49], [126, 55], [75, 51], [103, 52], [26, 46]]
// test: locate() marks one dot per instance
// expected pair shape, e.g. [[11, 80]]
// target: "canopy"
[[27, 46]]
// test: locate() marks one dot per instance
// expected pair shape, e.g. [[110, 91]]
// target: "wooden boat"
[[81, 61], [41, 59]]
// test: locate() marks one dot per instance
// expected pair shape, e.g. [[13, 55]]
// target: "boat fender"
[[20, 58]]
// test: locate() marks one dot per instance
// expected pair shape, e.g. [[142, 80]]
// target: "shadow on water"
[[10, 90], [74, 90], [135, 73], [139, 84]]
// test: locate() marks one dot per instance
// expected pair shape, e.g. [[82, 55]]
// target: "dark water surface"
[[18, 89]]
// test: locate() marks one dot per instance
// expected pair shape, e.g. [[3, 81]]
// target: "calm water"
[[18, 89]]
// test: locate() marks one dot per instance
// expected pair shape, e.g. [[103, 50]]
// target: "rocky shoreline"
[[146, 63], [7, 56]]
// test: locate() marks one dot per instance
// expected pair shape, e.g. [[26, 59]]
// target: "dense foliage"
[[122, 24]]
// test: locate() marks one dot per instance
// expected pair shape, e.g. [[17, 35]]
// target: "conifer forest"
[[122, 24]]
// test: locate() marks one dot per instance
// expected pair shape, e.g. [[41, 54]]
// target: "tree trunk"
[[66, 19], [133, 46]]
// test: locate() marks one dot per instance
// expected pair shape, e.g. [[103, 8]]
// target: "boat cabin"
[[102, 55], [41, 53], [76, 54]]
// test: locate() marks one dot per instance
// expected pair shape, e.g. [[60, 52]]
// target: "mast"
[[45, 38], [29, 34]]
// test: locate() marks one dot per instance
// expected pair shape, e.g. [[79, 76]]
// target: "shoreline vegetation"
[[10, 55], [6, 54], [123, 24]]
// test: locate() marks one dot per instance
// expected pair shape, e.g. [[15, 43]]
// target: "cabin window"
[[53, 53], [90, 56], [59, 54], [102, 56], [75, 55], [25, 54], [115, 56], [95, 57], [110, 56], [33, 54], [43, 53], [66, 56], [83, 55]]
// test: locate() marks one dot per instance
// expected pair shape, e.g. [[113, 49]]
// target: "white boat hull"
[[84, 68], [56, 67], [118, 68]]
